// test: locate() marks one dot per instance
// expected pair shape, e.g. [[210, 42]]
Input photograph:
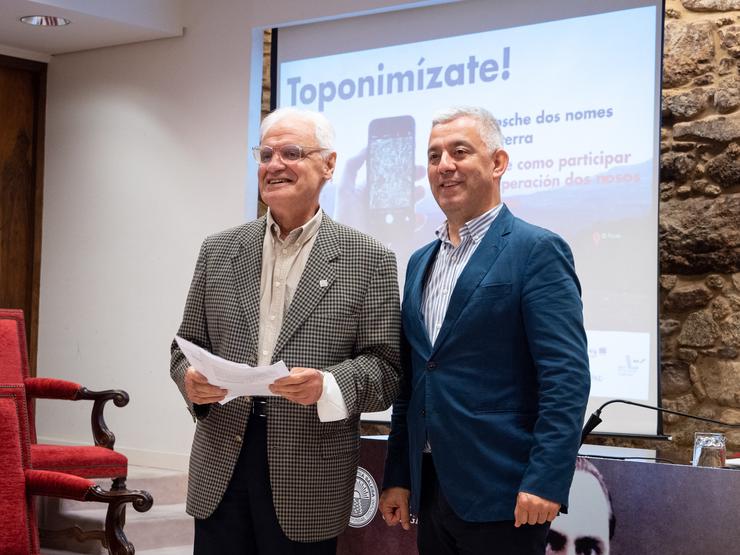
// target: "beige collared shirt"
[[283, 262]]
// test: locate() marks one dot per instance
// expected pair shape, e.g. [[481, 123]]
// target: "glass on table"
[[709, 449]]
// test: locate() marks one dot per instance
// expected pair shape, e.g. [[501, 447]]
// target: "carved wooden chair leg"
[[119, 484], [116, 541]]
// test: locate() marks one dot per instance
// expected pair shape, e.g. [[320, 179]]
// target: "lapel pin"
[[323, 283]]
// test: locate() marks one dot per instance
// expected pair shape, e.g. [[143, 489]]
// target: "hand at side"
[[394, 507], [531, 509]]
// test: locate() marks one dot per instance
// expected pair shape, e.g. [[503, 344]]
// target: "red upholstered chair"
[[94, 461], [19, 482]]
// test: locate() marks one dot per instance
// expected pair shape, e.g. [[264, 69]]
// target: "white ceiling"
[[95, 24]]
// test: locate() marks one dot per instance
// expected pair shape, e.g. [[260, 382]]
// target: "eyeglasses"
[[287, 153]]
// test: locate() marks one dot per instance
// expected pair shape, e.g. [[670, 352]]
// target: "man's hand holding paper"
[[200, 391], [302, 385], [212, 379]]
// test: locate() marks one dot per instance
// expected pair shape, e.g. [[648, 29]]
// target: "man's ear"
[[500, 162], [330, 163]]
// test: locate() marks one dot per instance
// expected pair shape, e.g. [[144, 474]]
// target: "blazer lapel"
[[318, 276], [416, 332], [478, 266], [247, 266]]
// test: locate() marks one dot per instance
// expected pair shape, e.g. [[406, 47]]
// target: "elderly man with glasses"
[[276, 474]]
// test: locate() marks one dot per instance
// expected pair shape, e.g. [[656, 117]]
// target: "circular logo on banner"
[[365, 500]]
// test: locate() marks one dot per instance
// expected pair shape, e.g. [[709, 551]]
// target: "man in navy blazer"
[[485, 433]]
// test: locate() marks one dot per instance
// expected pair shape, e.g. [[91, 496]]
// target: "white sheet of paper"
[[238, 379]]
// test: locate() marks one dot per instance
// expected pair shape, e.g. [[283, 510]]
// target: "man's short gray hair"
[[489, 128], [323, 129]]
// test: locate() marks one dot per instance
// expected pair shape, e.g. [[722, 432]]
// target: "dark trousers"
[[245, 523], [442, 532]]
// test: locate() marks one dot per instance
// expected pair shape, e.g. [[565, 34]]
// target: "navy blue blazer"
[[502, 393]]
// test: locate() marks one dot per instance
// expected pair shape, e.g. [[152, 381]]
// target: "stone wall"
[[700, 215], [699, 218]]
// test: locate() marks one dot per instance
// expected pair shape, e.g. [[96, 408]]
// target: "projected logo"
[[620, 363], [365, 499], [631, 365]]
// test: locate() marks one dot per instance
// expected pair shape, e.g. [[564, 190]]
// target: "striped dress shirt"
[[447, 267]]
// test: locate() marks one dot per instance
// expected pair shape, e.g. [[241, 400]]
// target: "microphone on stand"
[[595, 419]]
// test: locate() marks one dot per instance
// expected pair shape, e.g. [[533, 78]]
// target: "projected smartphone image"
[[390, 178]]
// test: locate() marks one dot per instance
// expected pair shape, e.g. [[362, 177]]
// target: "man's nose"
[[446, 163], [275, 161]]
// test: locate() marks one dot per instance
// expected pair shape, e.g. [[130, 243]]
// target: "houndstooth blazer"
[[350, 328]]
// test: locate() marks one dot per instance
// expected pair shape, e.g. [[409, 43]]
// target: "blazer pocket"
[[493, 409], [522, 420], [337, 327], [492, 290], [347, 306], [338, 314], [339, 441]]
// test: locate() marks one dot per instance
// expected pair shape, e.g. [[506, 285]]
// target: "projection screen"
[[576, 88]]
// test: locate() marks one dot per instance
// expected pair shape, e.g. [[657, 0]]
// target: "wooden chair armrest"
[[53, 388], [102, 435]]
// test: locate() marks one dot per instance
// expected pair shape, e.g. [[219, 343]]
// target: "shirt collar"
[[475, 228], [300, 235]]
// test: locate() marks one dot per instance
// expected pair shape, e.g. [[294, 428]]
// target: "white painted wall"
[[146, 154]]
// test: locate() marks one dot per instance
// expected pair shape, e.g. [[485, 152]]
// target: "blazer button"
[[238, 439], [431, 365], [423, 412]]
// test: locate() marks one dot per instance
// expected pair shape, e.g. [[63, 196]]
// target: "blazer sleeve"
[[553, 319], [193, 328], [369, 381]]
